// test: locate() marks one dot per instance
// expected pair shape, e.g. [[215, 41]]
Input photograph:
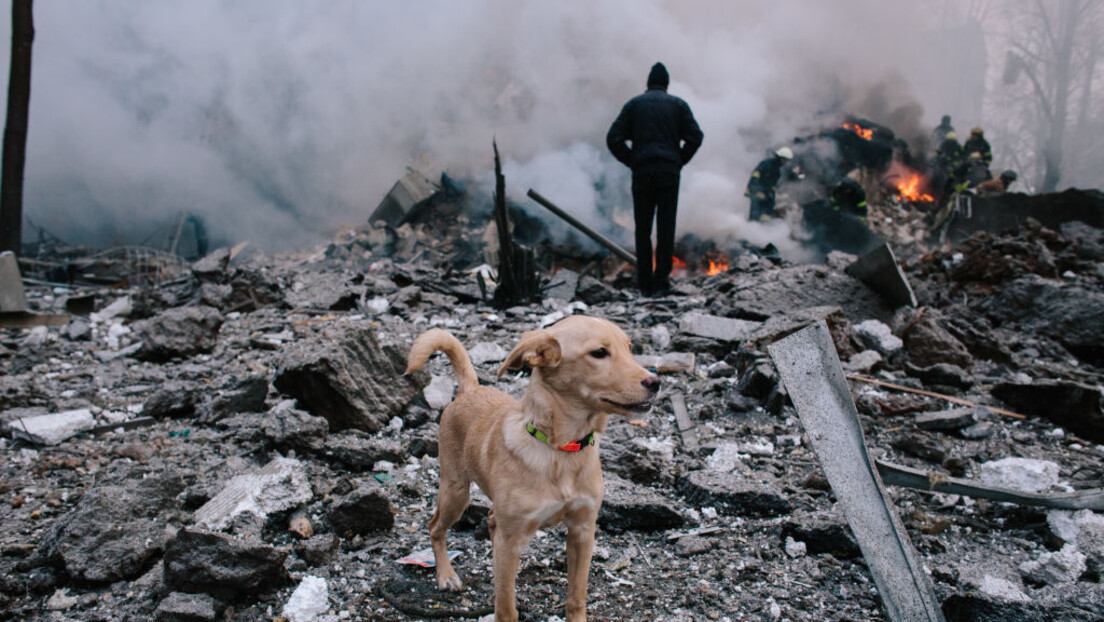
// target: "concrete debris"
[[720, 491], [713, 327], [182, 607], [197, 561], [484, 352], [1002, 589], [878, 337], [438, 393], [52, 429], [880, 271], [280, 485], [1020, 474], [808, 364], [1063, 566], [309, 600]]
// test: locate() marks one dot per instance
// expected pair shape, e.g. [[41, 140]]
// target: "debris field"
[[235, 439]]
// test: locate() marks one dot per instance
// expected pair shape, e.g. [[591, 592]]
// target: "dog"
[[537, 457]]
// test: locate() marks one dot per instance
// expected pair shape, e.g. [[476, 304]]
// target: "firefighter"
[[664, 136], [998, 186], [939, 134], [948, 161], [840, 222], [976, 143], [849, 198], [763, 184]]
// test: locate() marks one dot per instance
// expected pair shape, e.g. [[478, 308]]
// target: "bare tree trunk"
[[15, 132], [1056, 136]]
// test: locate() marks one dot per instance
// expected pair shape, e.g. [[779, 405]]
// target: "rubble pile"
[[239, 442]]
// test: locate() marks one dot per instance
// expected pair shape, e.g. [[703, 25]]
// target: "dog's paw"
[[450, 583]]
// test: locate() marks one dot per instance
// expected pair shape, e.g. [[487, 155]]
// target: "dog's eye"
[[600, 353]]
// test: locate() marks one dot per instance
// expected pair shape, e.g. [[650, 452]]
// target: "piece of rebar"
[[811, 372], [897, 475], [950, 398], [594, 235]]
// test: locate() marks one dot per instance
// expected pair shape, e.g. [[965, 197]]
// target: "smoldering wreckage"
[[233, 438]]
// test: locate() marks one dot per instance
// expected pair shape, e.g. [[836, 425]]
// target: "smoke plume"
[[280, 121]]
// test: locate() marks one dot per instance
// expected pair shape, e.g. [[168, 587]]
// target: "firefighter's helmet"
[[784, 152]]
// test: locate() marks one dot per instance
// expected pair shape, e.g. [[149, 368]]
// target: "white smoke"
[[281, 121]]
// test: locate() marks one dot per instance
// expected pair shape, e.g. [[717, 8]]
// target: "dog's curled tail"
[[437, 340]]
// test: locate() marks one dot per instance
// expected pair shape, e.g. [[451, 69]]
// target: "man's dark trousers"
[[655, 196]]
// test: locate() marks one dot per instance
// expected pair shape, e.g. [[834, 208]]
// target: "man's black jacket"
[[662, 130]]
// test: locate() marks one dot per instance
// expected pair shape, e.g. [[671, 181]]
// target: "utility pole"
[[15, 132]]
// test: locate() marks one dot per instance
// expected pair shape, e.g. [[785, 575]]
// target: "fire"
[[909, 188], [860, 130], [713, 268]]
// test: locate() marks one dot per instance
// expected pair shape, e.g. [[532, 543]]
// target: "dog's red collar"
[[573, 446]]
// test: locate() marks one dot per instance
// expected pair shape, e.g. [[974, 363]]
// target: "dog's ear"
[[537, 348]]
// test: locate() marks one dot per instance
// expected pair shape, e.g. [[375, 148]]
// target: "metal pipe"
[[594, 235]]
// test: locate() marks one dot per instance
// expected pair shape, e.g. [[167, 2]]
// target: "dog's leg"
[[452, 499], [580, 548], [508, 546]]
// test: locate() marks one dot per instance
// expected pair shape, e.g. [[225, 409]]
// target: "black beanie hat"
[[658, 76]]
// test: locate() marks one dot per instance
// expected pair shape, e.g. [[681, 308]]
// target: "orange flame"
[[713, 268], [860, 130], [909, 188]]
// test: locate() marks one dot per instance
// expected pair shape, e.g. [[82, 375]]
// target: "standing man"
[[764, 183], [655, 135]]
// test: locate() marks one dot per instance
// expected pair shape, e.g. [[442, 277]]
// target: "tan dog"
[[533, 457]]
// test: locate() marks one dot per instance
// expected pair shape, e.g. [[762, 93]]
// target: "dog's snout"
[[651, 383]]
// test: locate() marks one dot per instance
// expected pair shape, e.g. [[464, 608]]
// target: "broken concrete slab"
[[880, 271], [343, 373], [114, 532], [364, 510], [54, 428], [12, 296], [199, 561], [1065, 565], [714, 327], [410, 191], [630, 507], [280, 485], [812, 373], [755, 495], [178, 333]]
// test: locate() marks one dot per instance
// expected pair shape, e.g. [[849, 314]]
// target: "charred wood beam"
[[594, 235], [518, 279]]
